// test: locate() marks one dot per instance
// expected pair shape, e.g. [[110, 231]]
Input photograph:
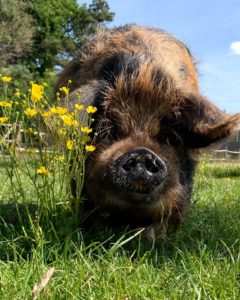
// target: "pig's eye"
[[171, 137], [170, 132]]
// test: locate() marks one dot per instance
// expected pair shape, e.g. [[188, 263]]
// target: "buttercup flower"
[[6, 79], [79, 106], [5, 104], [30, 112], [69, 120], [70, 144], [59, 110], [86, 129], [46, 114], [43, 171], [91, 109], [62, 132], [36, 92], [90, 148], [65, 90], [3, 120]]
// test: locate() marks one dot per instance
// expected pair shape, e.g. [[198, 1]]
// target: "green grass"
[[200, 261]]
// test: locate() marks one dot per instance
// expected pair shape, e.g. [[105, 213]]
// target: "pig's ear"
[[200, 123]]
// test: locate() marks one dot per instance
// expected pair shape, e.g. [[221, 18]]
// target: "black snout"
[[141, 170], [142, 160]]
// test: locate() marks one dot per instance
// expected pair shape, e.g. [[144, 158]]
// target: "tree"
[[91, 18], [39, 36], [16, 31], [61, 27]]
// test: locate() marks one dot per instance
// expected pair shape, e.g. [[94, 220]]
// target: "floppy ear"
[[200, 123]]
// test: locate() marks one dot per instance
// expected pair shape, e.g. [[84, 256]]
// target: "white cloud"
[[235, 47]]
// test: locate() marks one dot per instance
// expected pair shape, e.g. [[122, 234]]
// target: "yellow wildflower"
[[90, 148], [64, 90], [62, 132], [43, 171], [59, 110], [5, 104], [6, 79], [3, 120], [91, 109], [30, 112], [36, 92], [79, 106], [86, 129], [46, 114], [70, 144], [69, 120], [69, 81]]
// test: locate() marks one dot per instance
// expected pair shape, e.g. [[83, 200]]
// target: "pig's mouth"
[[135, 193]]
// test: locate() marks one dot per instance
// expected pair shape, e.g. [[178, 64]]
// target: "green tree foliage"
[[61, 27], [38, 36], [16, 31]]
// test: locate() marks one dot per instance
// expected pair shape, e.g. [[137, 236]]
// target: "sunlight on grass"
[[39, 232]]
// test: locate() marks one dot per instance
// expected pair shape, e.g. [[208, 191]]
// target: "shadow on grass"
[[211, 228], [214, 228], [22, 229], [13, 237]]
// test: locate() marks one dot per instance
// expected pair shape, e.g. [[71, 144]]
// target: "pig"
[[151, 122]]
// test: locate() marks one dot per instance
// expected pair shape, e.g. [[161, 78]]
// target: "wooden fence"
[[14, 134]]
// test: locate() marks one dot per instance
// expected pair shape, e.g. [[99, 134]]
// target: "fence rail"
[[226, 154], [22, 142], [14, 134]]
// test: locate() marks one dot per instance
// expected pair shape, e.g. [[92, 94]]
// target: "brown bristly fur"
[[145, 86]]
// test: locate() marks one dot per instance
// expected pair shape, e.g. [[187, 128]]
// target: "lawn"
[[200, 261]]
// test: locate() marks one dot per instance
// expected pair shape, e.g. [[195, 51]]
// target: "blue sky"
[[211, 29]]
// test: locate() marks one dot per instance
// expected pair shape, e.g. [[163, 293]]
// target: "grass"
[[200, 261]]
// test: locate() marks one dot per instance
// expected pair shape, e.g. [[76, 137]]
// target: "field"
[[200, 261]]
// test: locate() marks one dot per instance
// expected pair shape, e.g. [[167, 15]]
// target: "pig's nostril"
[[139, 171], [152, 166], [129, 165]]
